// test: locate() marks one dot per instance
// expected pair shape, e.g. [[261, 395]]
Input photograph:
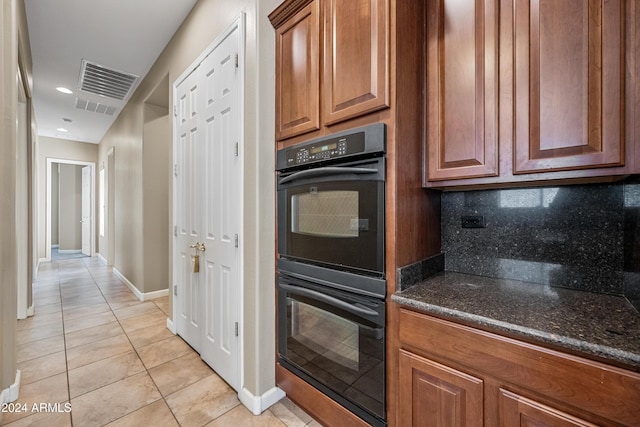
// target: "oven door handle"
[[351, 308], [332, 170]]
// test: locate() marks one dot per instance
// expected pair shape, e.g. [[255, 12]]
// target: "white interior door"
[[188, 213], [208, 208], [86, 210], [222, 195]]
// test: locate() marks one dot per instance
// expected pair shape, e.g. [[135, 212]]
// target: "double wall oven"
[[331, 270]]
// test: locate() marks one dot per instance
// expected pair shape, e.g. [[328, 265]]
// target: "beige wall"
[[207, 20], [14, 38], [156, 153], [8, 239], [259, 199], [60, 149]]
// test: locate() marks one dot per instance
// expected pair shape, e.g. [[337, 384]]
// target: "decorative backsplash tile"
[[584, 237]]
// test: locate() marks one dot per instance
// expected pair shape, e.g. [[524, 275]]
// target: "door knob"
[[198, 247]]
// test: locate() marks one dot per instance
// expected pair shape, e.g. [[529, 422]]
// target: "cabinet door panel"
[[356, 67], [432, 394], [297, 74], [462, 88], [517, 411], [568, 84]]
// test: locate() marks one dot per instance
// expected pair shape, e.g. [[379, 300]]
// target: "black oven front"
[[334, 340], [331, 202]]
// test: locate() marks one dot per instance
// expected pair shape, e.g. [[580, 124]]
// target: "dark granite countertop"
[[597, 326]]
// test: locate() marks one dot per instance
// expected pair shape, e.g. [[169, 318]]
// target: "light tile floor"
[[95, 348]]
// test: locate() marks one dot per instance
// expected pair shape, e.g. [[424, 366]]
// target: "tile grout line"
[[137, 354], [145, 366], [92, 270], [64, 341]]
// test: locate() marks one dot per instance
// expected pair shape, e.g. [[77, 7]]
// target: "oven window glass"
[[336, 224], [325, 214], [342, 351], [324, 333]]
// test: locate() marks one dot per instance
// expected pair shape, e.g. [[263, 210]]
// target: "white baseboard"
[[102, 259], [171, 326], [129, 285], [31, 311], [69, 251], [155, 294], [140, 295], [12, 393], [258, 404]]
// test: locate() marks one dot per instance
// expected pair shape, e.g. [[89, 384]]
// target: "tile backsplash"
[[584, 237]]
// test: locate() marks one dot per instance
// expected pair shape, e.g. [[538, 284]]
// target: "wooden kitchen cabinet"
[[297, 73], [569, 84], [516, 411], [521, 91], [426, 385], [356, 65], [332, 63], [462, 89], [456, 375]]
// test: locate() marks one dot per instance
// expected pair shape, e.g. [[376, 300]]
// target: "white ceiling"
[[125, 35]]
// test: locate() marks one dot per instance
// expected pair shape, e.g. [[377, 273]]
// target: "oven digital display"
[[326, 149], [322, 148]]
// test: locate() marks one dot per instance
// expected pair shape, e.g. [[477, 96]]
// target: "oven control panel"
[[365, 140], [326, 149]]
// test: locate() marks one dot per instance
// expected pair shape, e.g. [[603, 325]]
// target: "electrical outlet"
[[473, 221]]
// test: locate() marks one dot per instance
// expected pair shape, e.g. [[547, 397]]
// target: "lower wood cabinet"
[[516, 410], [451, 375], [432, 394]]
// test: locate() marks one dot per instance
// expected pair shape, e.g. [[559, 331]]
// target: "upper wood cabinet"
[[569, 93], [356, 63], [332, 62], [520, 87], [462, 88], [297, 71]]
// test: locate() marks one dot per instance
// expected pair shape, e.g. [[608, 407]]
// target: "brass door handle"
[[198, 247]]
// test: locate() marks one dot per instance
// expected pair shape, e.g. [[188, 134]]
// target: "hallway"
[[93, 346]]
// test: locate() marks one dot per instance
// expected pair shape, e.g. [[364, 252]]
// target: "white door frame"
[[50, 161], [237, 25], [110, 200]]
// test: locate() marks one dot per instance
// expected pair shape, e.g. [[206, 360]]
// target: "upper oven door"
[[333, 216]]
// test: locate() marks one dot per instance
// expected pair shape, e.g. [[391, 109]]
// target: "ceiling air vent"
[[95, 107], [105, 81]]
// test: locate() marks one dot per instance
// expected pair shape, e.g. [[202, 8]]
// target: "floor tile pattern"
[[93, 347]]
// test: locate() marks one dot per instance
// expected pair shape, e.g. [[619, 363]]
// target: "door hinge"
[[237, 150], [236, 328], [175, 169], [175, 290], [175, 231], [236, 59], [175, 111], [236, 240]]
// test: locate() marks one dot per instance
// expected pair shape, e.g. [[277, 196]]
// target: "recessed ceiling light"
[[64, 90], [62, 130]]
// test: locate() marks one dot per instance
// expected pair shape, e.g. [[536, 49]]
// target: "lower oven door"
[[336, 342]]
